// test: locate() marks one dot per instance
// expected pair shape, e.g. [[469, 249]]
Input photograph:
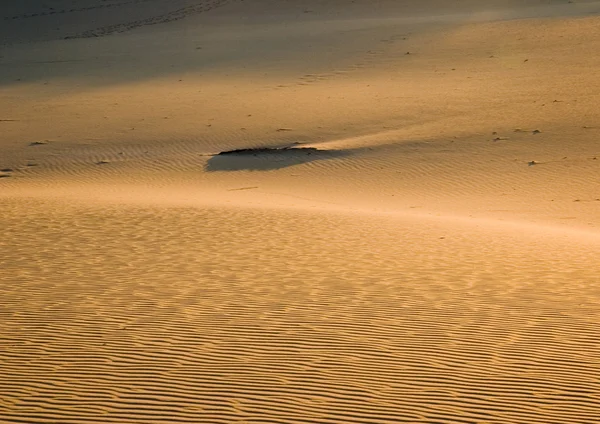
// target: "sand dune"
[[408, 234], [220, 315]]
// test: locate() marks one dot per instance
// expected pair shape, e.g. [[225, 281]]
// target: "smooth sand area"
[[406, 231]]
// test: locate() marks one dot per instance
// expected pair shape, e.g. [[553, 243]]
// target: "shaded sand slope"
[[136, 314], [39, 20]]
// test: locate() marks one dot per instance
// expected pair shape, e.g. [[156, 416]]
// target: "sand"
[[408, 232]]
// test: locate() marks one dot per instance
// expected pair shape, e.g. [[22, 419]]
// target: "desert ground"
[[310, 211]]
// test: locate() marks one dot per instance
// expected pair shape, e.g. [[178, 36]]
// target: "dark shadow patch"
[[267, 159]]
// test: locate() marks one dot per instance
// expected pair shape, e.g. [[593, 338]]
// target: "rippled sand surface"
[[136, 314], [299, 212]]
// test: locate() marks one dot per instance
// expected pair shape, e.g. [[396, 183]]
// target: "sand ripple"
[[129, 314]]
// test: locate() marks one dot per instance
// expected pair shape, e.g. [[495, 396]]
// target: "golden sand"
[[409, 234]]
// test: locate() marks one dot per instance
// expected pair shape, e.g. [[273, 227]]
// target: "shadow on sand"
[[268, 159]]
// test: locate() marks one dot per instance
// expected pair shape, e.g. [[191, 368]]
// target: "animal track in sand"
[[74, 9], [368, 58], [174, 15]]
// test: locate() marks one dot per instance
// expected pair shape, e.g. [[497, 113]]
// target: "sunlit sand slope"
[[137, 314], [406, 231]]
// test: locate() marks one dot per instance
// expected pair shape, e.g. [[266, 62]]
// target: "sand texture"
[[310, 211]]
